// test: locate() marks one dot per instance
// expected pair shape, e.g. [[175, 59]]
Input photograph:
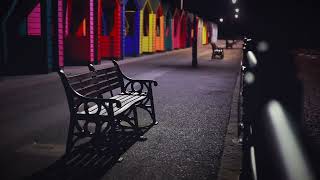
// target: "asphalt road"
[[192, 107]]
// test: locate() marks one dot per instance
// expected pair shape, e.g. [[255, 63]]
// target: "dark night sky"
[[296, 22]]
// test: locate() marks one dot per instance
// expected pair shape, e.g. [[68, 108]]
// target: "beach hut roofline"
[[155, 4]]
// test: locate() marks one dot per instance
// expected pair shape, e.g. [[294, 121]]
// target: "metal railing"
[[269, 128]]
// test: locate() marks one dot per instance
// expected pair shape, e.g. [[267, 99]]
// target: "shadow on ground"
[[90, 161]]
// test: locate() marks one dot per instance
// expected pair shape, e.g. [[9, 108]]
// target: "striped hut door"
[[34, 21]]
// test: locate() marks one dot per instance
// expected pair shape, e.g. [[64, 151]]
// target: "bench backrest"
[[108, 79], [91, 84]]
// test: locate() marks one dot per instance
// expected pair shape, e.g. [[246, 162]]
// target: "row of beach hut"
[[44, 35]]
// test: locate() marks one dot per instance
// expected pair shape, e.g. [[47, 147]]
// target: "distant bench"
[[104, 98], [216, 51]]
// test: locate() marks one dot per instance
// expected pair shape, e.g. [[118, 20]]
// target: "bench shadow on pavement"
[[87, 162]]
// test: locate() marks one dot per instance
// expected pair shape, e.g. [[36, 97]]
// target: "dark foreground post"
[[194, 43]]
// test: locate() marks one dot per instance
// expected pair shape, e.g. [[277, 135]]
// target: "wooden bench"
[[216, 52], [100, 100]]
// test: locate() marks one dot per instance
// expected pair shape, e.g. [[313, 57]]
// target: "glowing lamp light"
[[234, 1], [236, 16], [237, 10], [221, 20]]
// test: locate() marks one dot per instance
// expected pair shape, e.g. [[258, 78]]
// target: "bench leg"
[[150, 110], [136, 124], [70, 136], [135, 118], [153, 114]]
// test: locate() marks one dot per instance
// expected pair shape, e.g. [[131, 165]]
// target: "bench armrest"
[[138, 85], [155, 83]]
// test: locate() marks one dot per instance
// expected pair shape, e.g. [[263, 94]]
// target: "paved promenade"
[[192, 107]]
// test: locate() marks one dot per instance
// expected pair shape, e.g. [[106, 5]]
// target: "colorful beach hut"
[[183, 29], [147, 27], [214, 33], [131, 27], [189, 30], [168, 32], [159, 31], [110, 26], [199, 32], [81, 32], [205, 33], [33, 40], [176, 28]]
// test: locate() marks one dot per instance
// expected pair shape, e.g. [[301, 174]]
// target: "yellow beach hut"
[[147, 27]]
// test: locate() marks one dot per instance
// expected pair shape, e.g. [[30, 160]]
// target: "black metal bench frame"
[[87, 104]]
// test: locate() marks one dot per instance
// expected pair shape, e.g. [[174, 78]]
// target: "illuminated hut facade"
[[168, 26], [131, 28], [183, 29], [189, 28], [34, 37], [81, 32], [176, 29], [147, 27], [214, 33], [110, 21], [159, 31], [204, 34], [199, 32]]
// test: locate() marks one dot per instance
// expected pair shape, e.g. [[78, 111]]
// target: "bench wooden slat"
[[88, 89], [109, 88], [110, 75], [107, 82], [104, 71], [79, 77], [128, 105], [126, 102], [83, 84]]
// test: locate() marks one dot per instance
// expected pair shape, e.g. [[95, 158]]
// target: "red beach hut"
[[81, 32], [183, 29], [110, 20], [176, 28], [189, 30]]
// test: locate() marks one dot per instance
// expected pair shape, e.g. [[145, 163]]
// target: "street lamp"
[[236, 16], [234, 1], [237, 10], [221, 20]]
